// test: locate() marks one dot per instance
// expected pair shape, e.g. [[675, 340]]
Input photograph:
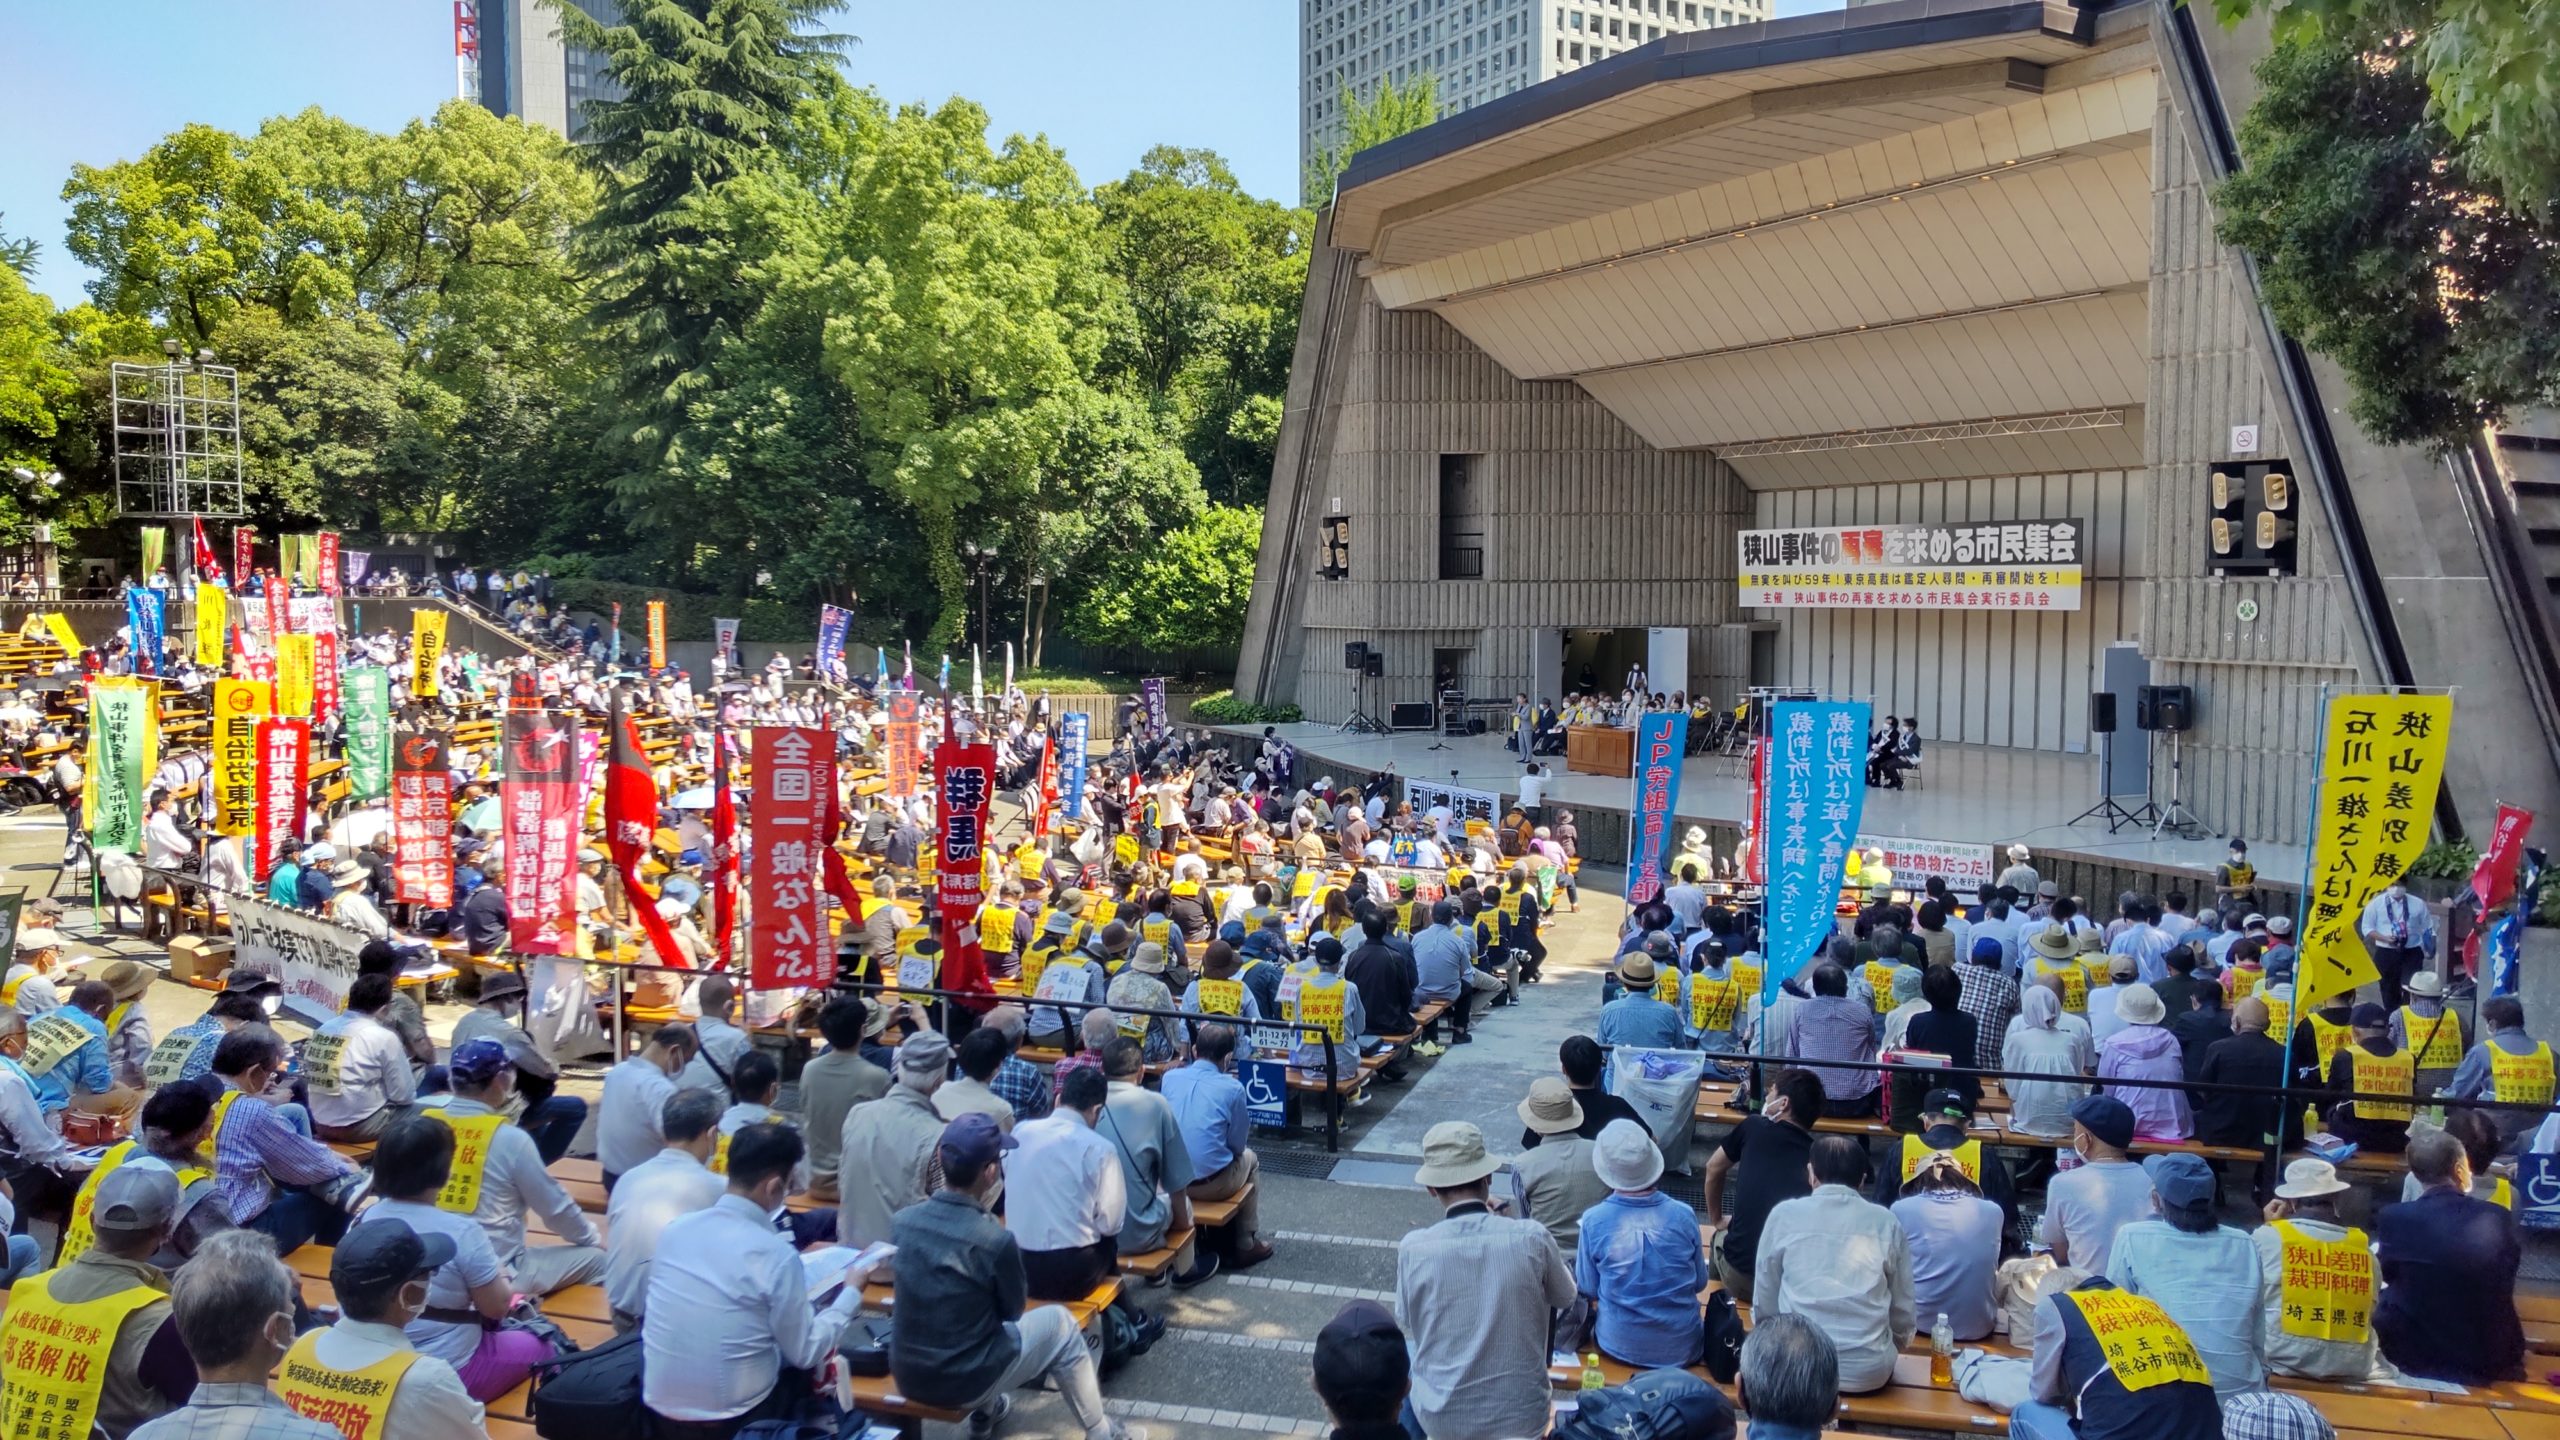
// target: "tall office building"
[[1480, 49], [512, 59]]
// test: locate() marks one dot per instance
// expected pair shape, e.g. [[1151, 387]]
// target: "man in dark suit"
[[2449, 1262]]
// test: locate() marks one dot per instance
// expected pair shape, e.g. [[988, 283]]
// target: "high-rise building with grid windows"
[[522, 65], [1480, 49]]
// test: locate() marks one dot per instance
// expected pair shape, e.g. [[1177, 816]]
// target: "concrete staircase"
[[2528, 454]]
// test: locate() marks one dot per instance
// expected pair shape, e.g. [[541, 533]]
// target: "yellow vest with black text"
[[995, 928], [2393, 1074], [2436, 1041], [2521, 1079], [357, 1402], [1916, 1152], [53, 1357]]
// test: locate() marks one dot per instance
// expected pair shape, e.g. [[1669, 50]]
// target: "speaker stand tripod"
[[2175, 816], [1360, 721], [2107, 809]]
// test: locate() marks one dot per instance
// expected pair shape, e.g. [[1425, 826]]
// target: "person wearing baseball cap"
[[2202, 1272], [1955, 1230], [552, 1118], [501, 1168], [389, 1276], [2087, 1206], [1946, 1120], [107, 1310], [2372, 1064], [1330, 1013], [1478, 1290], [1363, 1372], [2305, 1244], [1078, 975], [886, 1160]]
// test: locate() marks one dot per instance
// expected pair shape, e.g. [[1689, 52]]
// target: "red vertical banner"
[[329, 579], [630, 817], [279, 614], [284, 782], [1048, 789], [963, 785], [2493, 880], [902, 746], [723, 866], [244, 544], [787, 940], [421, 822], [327, 699], [657, 635], [540, 799]]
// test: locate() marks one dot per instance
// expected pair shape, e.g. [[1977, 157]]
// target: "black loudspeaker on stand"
[[1364, 661], [2102, 723], [2170, 710]]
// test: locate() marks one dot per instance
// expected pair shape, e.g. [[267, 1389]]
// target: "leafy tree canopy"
[[1390, 111]]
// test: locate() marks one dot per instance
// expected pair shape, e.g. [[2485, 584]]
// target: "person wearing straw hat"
[[2145, 1050], [1478, 1291], [1553, 1182], [128, 1028], [1142, 986], [2051, 957], [2430, 1033], [2318, 1280], [1639, 1260], [1636, 1018]]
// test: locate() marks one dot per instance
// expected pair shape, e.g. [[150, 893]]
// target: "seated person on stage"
[[67, 1055], [1069, 1196], [2076, 1393], [233, 1306], [678, 1180], [1842, 1262], [358, 1070], [2304, 1250], [1955, 1236], [1767, 1157], [1553, 1182], [132, 1365], [1209, 1104], [386, 1274], [962, 1338], [467, 1293], [1946, 1118], [274, 1178], [2203, 1272], [729, 1328], [1789, 1383], [2507, 1065], [2448, 1265], [636, 1093], [1831, 1026], [1638, 1260], [552, 1119], [499, 1178], [2371, 1064]]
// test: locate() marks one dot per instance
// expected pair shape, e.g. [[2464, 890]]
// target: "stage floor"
[[1974, 794]]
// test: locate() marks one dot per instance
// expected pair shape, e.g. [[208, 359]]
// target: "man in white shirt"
[[511, 1181], [677, 1181], [635, 1096], [358, 1070], [376, 1270], [719, 1042], [1842, 1262], [1068, 1196], [166, 844], [728, 1329]]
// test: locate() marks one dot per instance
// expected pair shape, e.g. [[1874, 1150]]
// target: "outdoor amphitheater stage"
[[1966, 794]]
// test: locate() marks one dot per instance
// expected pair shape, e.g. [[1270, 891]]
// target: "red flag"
[[2493, 880], [963, 783], [630, 816], [724, 848], [208, 569], [839, 878], [244, 539], [787, 938]]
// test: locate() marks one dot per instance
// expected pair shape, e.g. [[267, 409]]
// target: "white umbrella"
[[697, 798]]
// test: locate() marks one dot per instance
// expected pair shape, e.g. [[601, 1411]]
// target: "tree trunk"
[[1036, 621]]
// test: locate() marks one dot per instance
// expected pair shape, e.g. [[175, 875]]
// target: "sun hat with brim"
[[1625, 1157], [1060, 923], [39, 939], [2052, 942], [2427, 984], [1149, 959], [1636, 970], [1453, 1155], [1550, 1108], [2309, 1179], [126, 978], [504, 985], [2140, 1005]]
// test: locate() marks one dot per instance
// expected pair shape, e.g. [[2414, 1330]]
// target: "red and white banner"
[[1965, 868], [722, 866], [329, 578], [794, 777], [630, 818], [328, 699], [903, 710], [244, 542], [964, 778], [421, 822], [278, 614], [284, 780], [540, 799], [208, 569], [2493, 880], [1048, 789]]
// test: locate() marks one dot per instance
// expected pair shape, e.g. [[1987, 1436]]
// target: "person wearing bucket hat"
[[1477, 1290], [1553, 1182], [2145, 1050], [2304, 1246], [884, 1163], [1141, 986], [1636, 1018], [1639, 1261], [2201, 1271], [1077, 976], [2430, 1033], [2372, 1064], [2050, 955], [128, 1028]]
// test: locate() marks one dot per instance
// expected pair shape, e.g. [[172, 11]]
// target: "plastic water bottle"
[[1942, 1353], [1592, 1376]]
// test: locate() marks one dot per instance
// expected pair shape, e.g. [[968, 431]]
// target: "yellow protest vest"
[[2143, 1346], [2099, 971], [995, 928], [51, 1037], [221, 1111], [1916, 1152], [1222, 997], [471, 1137], [1320, 1009], [1124, 849], [169, 1059], [2244, 981], [2075, 983], [1746, 975], [9, 992], [2436, 1042], [1034, 960], [2328, 1286], [1712, 1002], [79, 1234], [2395, 1074], [2503, 1194], [1303, 885], [2521, 1079], [919, 963], [2279, 1015], [1406, 918], [1028, 861], [1511, 906], [357, 1402], [1183, 887], [1158, 928], [1666, 985], [2329, 1038], [1880, 981], [53, 1358]]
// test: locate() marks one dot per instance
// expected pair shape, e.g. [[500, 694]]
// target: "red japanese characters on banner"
[[2494, 878], [327, 698], [787, 942], [284, 778], [964, 783], [421, 822], [539, 798], [722, 870], [279, 616], [1048, 791], [244, 540], [329, 579], [903, 709]]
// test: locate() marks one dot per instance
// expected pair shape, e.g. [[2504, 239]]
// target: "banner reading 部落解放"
[[2381, 762], [1817, 789], [1982, 565]]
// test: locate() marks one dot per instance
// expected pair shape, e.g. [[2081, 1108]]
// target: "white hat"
[[2427, 983], [2309, 1179], [1696, 836], [2019, 853], [1625, 1157], [2140, 1005], [1453, 1155]]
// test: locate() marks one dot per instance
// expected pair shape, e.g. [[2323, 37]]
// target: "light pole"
[[979, 555]]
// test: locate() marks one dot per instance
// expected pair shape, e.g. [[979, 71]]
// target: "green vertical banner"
[[368, 702], [155, 551], [123, 716], [11, 901]]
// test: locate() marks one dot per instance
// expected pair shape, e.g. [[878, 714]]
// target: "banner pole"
[[2273, 1164]]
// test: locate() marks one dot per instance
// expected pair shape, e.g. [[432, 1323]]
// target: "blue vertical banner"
[[833, 622], [147, 612], [1073, 728], [1817, 790], [1662, 736]]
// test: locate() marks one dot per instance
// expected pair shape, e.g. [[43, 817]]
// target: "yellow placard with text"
[[2381, 763], [213, 624], [2328, 1286], [60, 625], [238, 706], [426, 639], [296, 664], [2143, 1346], [471, 1137]]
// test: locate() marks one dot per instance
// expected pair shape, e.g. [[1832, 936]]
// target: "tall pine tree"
[[708, 87]]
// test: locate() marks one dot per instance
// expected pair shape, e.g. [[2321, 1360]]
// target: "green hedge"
[[689, 616], [1223, 708]]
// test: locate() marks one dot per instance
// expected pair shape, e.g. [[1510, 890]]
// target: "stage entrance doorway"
[[1602, 661]]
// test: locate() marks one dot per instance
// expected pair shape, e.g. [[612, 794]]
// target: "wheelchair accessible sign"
[[2538, 1192], [1266, 1093]]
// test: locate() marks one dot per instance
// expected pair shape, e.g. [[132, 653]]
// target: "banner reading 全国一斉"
[[1817, 790], [792, 770], [124, 748], [2381, 763], [426, 641], [238, 706], [1982, 565]]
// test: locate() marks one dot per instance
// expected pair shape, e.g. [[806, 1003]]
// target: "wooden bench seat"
[[1160, 1262], [1219, 1214]]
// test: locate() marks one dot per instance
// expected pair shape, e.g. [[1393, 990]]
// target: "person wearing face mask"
[[272, 1174], [499, 1178], [635, 1096], [36, 1164], [118, 1363], [413, 1166], [233, 1307], [365, 1367], [185, 1053]]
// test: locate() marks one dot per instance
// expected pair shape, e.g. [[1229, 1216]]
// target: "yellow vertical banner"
[[213, 623], [296, 661], [238, 706], [426, 639], [2381, 763], [657, 635], [60, 625]]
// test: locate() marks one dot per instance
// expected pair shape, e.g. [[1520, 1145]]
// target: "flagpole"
[[2273, 1163]]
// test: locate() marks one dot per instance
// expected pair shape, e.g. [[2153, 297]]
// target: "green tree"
[[2382, 244], [37, 385], [18, 252], [1386, 114], [1185, 591]]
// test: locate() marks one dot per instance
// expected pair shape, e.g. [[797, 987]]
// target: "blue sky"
[[94, 83]]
